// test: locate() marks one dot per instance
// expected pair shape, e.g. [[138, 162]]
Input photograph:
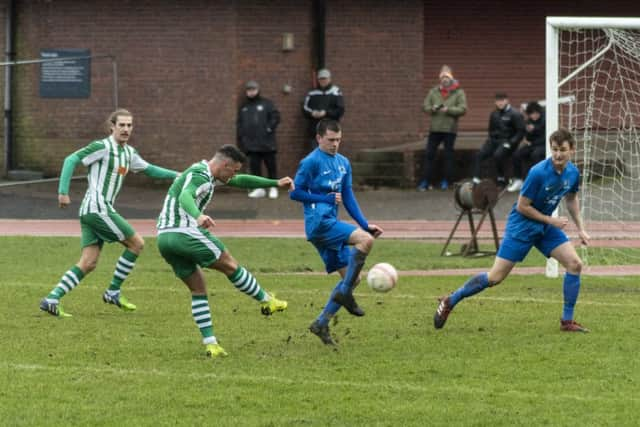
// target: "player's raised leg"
[[70, 280], [475, 284], [569, 259], [362, 243], [245, 282]]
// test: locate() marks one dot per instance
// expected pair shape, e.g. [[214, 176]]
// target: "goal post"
[[596, 61]]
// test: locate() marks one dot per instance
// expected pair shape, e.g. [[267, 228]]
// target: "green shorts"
[[100, 228], [184, 251]]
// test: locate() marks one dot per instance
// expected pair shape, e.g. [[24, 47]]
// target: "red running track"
[[603, 234]]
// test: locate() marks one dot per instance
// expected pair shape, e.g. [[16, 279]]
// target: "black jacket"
[[256, 125], [506, 125], [328, 99], [537, 135]]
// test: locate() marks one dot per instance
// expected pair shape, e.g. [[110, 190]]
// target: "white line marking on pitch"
[[464, 389], [391, 295]]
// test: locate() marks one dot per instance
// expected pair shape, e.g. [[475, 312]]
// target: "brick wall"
[[375, 51], [176, 71], [182, 65], [181, 71], [260, 28]]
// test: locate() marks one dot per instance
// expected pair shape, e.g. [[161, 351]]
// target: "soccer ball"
[[382, 277]]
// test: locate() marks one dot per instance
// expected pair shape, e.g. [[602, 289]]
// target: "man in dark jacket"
[[506, 129], [533, 147], [325, 101], [256, 126]]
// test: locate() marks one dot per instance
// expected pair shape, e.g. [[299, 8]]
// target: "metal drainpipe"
[[8, 82], [319, 15]]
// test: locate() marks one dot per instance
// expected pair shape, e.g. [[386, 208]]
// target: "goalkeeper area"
[[593, 65]]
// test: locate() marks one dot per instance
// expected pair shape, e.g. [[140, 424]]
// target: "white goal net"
[[597, 67]]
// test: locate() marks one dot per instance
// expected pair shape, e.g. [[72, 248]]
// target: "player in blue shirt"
[[530, 224], [322, 182]]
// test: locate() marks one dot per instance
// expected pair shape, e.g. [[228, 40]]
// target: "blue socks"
[[472, 286], [331, 308], [345, 286], [479, 282], [356, 262], [570, 290]]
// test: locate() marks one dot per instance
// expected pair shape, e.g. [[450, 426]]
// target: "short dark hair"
[[232, 152], [501, 95], [533, 107], [562, 135], [327, 124]]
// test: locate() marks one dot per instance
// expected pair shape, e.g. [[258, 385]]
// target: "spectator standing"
[[256, 126], [506, 129], [532, 149], [446, 103], [323, 102]]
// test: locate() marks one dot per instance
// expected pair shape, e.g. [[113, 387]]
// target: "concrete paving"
[[39, 201]]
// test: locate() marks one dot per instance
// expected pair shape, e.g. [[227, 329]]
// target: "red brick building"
[[181, 67]]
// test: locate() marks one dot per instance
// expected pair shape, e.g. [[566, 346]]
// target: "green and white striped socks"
[[244, 281], [202, 316], [67, 283], [125, 264]]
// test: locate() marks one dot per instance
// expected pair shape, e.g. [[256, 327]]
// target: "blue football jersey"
[[546, 188], [321, 173]]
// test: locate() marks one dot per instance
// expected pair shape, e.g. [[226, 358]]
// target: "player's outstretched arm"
[[286, 182], [252, 181], [158, 172]]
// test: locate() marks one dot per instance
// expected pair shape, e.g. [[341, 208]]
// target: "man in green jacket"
[[446, 103]]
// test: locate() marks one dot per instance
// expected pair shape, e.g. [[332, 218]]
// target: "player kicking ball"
[[530, 224], [187, 245]]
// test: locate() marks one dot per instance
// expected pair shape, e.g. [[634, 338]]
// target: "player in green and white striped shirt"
[[186, 244], [108, 160]]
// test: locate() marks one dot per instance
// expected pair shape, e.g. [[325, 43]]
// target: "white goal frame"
[[554, 25]]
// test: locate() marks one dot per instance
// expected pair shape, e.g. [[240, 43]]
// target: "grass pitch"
[[500, 360]]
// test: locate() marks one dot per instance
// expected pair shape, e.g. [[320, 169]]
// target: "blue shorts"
[[332, 245], [516, 249]]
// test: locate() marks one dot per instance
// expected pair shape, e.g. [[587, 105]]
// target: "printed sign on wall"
[[66, 77]]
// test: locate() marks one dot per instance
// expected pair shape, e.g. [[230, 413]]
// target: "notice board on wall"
[[64, 74]]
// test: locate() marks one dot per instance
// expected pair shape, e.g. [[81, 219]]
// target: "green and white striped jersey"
[[108, 163], [196, 181]]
